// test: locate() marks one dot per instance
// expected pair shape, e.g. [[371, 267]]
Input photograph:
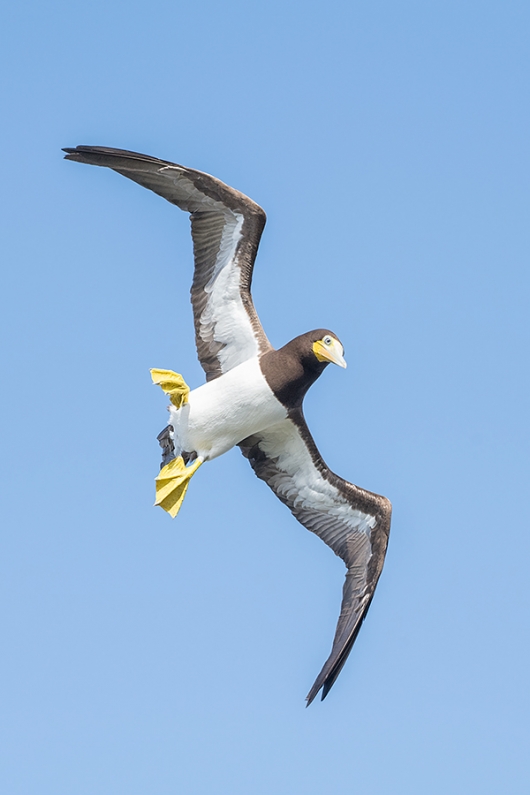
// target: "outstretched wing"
[[226, 228], [355, 523]]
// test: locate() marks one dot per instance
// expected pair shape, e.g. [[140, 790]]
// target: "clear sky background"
[[389, 145]]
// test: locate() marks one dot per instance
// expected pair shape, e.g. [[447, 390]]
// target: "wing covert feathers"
[[226, 228], [355, 523]]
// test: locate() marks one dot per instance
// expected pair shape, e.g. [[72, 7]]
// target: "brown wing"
[[226, 228], [355, 523]]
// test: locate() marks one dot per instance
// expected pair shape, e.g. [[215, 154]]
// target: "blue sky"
[[388, 144]]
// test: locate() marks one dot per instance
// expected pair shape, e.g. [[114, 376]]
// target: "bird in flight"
[[253, 393]]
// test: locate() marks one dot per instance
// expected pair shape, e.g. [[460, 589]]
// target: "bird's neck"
[[289, 376]]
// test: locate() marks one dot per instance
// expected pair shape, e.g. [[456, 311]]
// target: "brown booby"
[[253, 393]]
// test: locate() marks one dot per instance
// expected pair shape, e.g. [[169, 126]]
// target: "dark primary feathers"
[[226, 229]]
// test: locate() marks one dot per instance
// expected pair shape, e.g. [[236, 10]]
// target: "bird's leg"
[[172, 483], [173, 384]]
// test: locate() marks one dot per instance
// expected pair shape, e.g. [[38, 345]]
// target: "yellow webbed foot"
[[172, 483], [173, 384]]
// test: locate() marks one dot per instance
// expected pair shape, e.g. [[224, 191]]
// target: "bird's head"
[[327, 348]]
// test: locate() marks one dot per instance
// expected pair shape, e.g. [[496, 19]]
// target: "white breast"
[[225, 411]]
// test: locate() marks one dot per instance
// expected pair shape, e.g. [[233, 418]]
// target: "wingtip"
[[324, 686], [313, 693], [71, 152], [81, 152]]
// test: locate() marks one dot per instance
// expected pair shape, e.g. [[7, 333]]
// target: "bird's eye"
[[327, 340]]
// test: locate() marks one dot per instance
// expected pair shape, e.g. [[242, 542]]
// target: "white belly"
[[225, 411]]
